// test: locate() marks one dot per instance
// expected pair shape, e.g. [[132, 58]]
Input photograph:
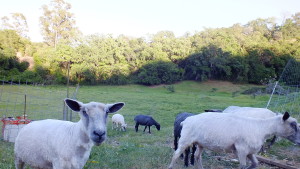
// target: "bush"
[[159, 72], [30, 76]]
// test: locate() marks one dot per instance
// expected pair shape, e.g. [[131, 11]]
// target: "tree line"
[[252, 53]]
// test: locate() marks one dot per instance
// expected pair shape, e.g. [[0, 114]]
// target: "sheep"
[[231, 133], [119, 119], [255, 113], [250, 112], [56, 144], [146, 121], [177, 129]]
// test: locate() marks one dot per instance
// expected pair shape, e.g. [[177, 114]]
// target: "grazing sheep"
[[177, 130], [57, 144], [146, 121], [118, 119], [227, 132], [254, 112]]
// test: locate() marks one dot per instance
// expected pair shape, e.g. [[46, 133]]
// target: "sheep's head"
[[157, 126], [94, 117], [124, 126], [289, 129]]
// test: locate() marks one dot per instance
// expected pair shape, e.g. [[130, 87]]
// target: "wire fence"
[[286, 93], [28, 102]]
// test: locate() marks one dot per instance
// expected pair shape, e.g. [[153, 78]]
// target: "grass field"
[[131, 150]]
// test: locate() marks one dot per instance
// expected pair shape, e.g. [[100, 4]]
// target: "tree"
[[19, 24], [58, 23], [5, 23]]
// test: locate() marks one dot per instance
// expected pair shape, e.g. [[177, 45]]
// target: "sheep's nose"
[[99, 134]]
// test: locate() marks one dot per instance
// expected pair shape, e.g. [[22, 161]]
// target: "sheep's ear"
[[73, 104], [111, 108], [285, 116]]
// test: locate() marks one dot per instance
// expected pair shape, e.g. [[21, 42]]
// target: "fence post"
[[272, 94]]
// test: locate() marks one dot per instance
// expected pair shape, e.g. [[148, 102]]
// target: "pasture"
[[131, 150]]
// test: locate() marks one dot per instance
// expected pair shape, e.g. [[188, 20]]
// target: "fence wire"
[[286, 95]]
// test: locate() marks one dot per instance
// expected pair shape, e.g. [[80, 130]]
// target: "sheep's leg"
[[176, 154], [175, 143], [113, 125], [145, 128], [149, 130], [19, 164], [136, 127], [242, 156], [193, 154], [271, 142], [253, 160], [198, 155], [186, 158], [117, 126]]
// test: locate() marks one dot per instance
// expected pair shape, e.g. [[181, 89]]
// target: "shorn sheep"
[[255, 113], [146, 121], [177, 130], [227, 132], [250, 112], [118, 119], [56, 144]]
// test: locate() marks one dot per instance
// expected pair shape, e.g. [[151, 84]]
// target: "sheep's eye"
[[84, 113], [294, 126]]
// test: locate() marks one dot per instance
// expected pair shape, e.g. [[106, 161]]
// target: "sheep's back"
[[143, 119], [180, 118], [250, 112], [218, 131], [118, 118]]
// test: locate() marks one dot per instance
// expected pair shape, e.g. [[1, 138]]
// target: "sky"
[[139, 18]]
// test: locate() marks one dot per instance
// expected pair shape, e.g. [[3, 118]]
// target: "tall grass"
[[131, 150]]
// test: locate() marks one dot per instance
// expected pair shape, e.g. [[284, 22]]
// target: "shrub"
[[159, 72]]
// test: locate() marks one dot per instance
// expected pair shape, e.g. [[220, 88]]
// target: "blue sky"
[[143, 17]]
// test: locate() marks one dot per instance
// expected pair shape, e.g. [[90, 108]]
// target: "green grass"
[[124, 150]]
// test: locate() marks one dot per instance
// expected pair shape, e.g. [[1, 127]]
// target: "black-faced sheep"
[[57, 144], [231, 133], [254, 112], [177, 130], [146, 121]]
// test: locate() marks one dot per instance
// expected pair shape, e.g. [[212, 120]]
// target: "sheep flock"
[[57, 144]]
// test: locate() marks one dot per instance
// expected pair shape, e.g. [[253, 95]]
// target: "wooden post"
[[25, 107]]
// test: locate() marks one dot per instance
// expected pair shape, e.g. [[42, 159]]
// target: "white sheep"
[[227, 132], [250, 112], [57, 144], [118, 119], [254, 112]]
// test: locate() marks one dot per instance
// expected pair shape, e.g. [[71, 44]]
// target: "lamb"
[[146, 121], [177, 129], [118, 119], [56, 144], [231, 133]]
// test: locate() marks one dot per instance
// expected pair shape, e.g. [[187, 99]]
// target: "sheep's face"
[[124, 126], [158, 127], [289, 129], [94, 117]]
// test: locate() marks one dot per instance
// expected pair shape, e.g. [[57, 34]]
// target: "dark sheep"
[[146, 121], [177, 130]]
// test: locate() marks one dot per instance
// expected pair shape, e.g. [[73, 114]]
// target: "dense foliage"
[[251, 53]]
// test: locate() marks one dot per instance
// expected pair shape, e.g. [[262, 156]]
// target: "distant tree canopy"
[[58, 23], [251, 53]]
